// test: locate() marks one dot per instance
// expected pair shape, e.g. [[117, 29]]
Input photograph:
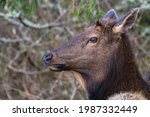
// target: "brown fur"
[[106, 67]]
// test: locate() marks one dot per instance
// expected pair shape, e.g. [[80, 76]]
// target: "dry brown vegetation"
[[22, 45]]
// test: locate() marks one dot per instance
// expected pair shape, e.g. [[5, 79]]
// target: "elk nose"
[[47, 57]]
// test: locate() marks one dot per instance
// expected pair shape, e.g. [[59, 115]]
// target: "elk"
[[101, 59]]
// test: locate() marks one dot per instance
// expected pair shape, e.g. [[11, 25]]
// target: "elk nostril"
[[47, 57]]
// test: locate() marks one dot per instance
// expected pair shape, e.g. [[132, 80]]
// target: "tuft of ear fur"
[[111, 14], [126, 22], [128, 96]]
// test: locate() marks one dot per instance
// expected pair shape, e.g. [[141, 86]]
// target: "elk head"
[[88, 54]]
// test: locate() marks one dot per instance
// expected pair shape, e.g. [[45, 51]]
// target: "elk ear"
[[126, 22], [111, 14]]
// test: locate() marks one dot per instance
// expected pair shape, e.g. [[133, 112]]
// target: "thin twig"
[[107, 4], [8, 40], [142, 49], [69, 31], [56, 81], [23, 71], [7, 88], [73, 93]]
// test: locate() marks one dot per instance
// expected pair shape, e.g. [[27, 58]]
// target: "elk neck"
[[120, 75]]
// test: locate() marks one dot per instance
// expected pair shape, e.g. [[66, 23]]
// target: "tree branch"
[[30, 24], [27, 23]]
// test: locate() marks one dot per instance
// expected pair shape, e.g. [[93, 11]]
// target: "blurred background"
[[29, 28]]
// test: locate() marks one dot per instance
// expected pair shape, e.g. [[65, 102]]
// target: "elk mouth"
[[58, 67]]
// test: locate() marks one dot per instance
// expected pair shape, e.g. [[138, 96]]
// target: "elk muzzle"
[[48, 60]]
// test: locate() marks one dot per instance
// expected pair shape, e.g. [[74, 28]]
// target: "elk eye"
[[93, 39]]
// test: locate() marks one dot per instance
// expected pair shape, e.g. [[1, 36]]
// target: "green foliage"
[[88, 10], [2, 3], [26, 7]]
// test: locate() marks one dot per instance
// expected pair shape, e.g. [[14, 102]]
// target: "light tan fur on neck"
[[127, 96], [80, 79]]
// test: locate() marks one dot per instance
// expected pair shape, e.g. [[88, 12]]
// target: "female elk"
[[101, 58]]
